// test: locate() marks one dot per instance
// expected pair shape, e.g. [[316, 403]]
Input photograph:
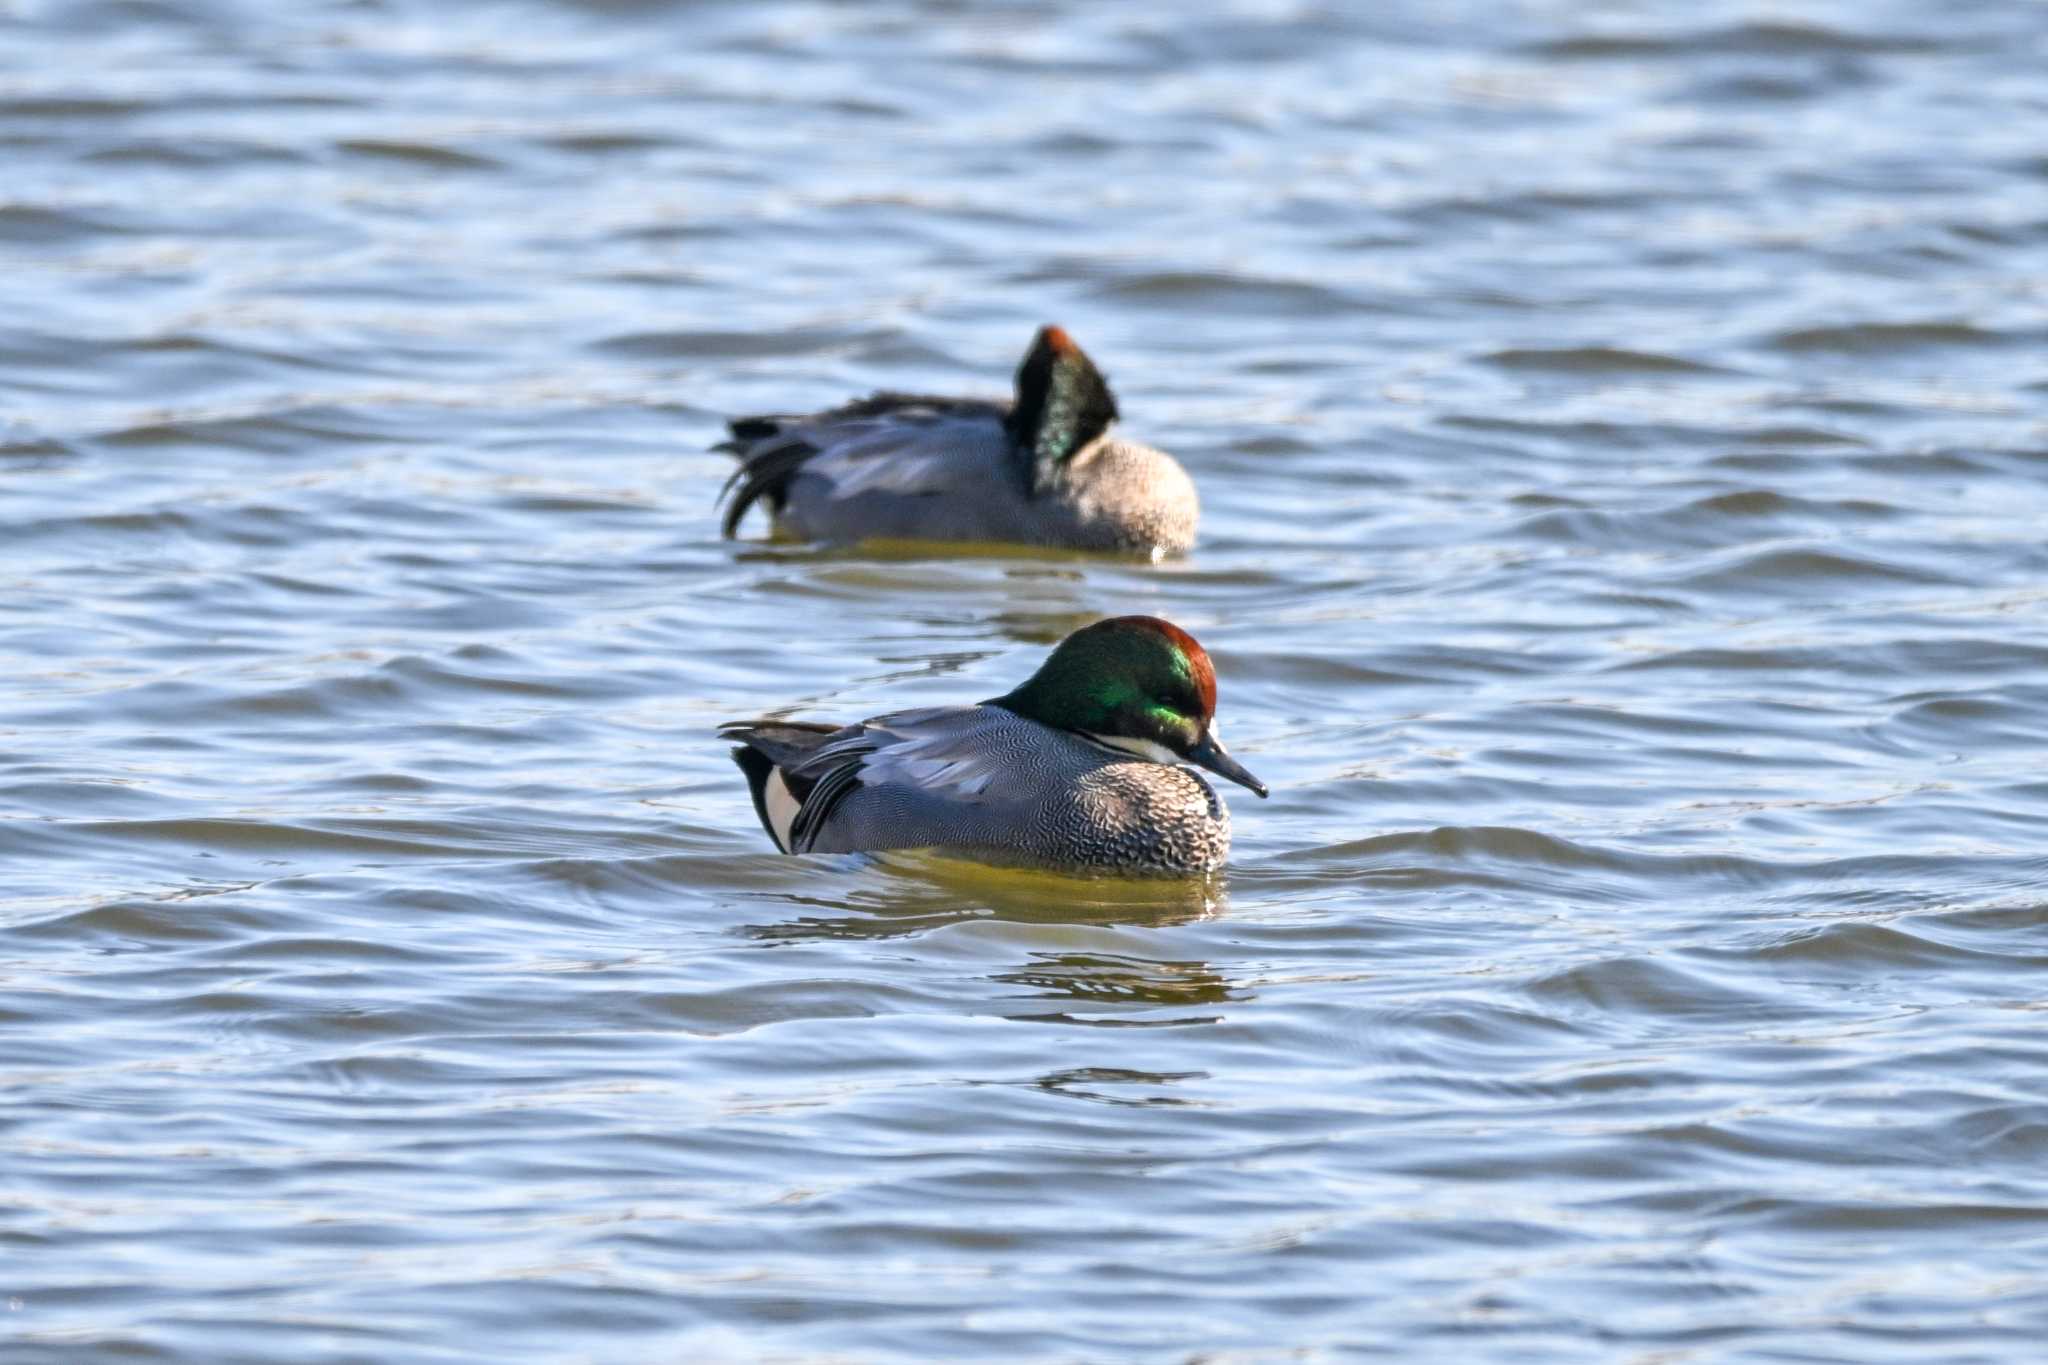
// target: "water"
[[1621, 428]]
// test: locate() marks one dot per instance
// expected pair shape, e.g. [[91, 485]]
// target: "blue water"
[[1621, 436]]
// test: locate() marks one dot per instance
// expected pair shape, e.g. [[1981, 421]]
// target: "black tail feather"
[[782, 742], [764, 472]]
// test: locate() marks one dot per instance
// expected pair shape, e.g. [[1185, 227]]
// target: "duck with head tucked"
[[1043, 470], [1079, 769]]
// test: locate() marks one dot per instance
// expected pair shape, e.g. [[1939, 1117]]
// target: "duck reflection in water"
[[922, 893]]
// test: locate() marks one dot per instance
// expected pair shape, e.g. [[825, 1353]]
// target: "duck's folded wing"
[[934, 760], [892, 442], [940, 750]]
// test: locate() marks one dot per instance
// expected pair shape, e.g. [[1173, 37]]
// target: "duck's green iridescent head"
[[1063, 404], [1134, 683]]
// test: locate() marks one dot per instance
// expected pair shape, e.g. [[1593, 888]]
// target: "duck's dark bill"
[[1211, 755]]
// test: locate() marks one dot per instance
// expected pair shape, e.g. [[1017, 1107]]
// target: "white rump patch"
[[781, 807]]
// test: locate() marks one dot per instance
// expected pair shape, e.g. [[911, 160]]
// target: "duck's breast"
[[1128, 496], [1145, 818]]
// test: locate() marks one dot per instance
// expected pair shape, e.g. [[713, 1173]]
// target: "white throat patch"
[[1151, 750]]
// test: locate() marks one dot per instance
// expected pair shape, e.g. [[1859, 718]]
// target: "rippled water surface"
[[1621, 431]]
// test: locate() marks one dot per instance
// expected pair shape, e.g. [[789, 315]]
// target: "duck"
[[1044, 469], [1086, 767]]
